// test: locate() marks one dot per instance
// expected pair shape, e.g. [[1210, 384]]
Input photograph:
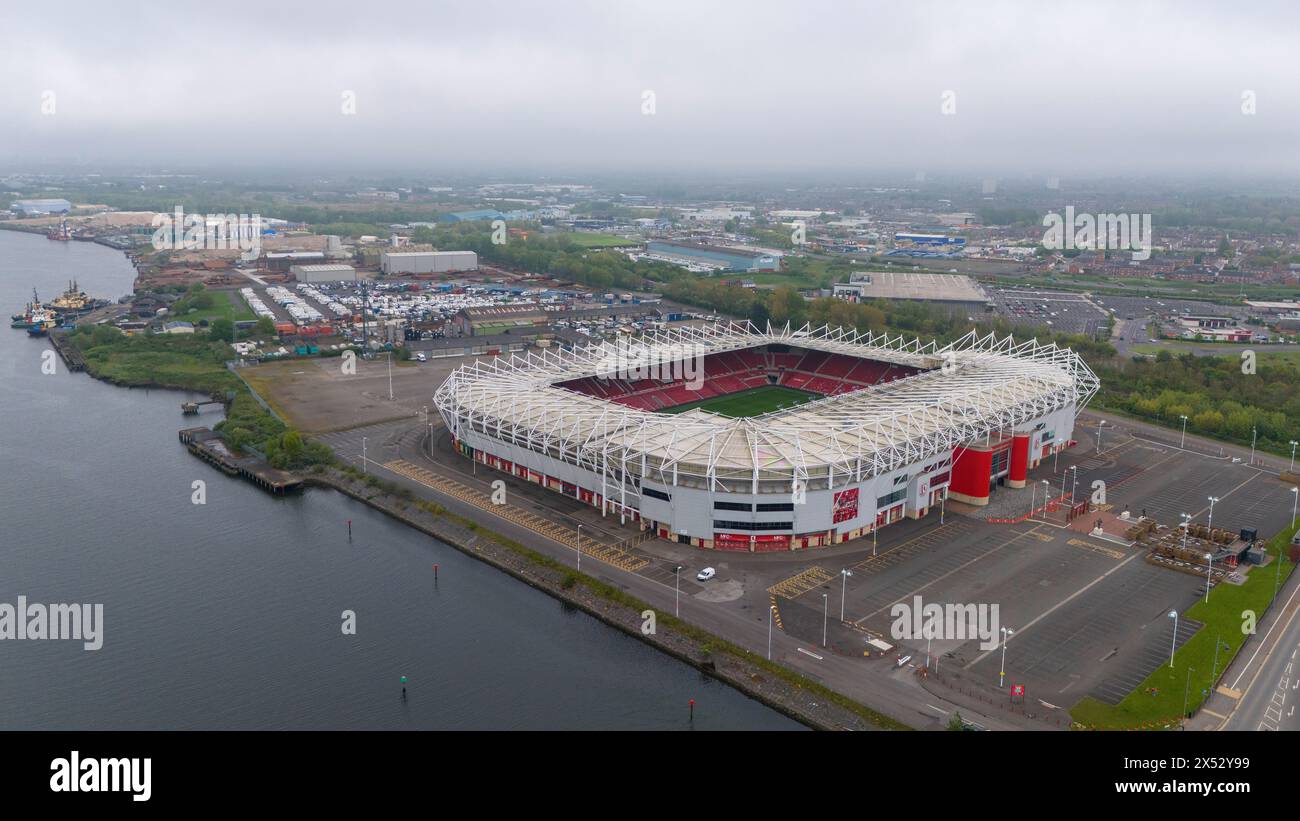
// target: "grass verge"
[[1157, 703]]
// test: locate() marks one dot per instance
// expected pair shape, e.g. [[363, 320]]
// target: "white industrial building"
[[428, 262], [324, 273]]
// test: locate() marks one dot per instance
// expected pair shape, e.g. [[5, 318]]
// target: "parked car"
[[706, 574]]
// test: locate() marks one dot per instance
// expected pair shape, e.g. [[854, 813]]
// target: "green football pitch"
[[753, 402]]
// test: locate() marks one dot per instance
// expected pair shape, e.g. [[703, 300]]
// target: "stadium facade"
[[885, 427]]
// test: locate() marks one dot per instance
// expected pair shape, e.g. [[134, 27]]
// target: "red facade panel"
[[971, 470]]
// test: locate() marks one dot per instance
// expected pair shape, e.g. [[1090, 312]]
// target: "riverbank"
[[791, 694], [184, 366]]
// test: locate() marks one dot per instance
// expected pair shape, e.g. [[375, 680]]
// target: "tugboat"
[[71, 302], [25, 318], [42, 324]]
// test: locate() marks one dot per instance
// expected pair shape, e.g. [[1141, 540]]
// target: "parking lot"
[[1089, 615], [1058, 310]]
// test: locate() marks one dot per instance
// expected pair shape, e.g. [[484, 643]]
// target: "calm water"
[[227, 616]]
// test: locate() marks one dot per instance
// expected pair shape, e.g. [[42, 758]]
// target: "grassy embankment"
[[1157, 702], [196, 362]]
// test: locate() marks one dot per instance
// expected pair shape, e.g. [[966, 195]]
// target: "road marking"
[[1262, 642], [1229, 493], [1265, 639], [808, 653], [801, 582], [776, 614], [1054, 607], [937, 710], [1210, 712], [960, 567], [1096, 548]]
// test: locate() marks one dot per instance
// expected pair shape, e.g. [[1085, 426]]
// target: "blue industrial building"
[[930, 239]]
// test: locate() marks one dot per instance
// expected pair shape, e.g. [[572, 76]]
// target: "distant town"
[[434, 274]]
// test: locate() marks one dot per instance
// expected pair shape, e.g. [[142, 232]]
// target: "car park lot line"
[[801, 582], [1057, 606], [895, 555], [1248, 480], [1005, 543]]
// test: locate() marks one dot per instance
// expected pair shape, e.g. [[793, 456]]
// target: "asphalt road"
[[893, 691], [1269, 677]]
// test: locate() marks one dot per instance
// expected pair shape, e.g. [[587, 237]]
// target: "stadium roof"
[[969, 389]]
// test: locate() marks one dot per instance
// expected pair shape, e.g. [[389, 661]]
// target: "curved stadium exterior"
[[870, 428]]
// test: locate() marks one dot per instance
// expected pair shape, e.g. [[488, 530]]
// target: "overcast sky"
[[1069, 89]]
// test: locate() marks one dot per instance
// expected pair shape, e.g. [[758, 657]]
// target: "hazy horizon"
[[1143, 90]]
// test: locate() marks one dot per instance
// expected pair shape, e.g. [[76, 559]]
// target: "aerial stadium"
[[754, 439]]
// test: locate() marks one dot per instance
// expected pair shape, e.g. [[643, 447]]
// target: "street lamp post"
[[1187, 525], [1074, 471], [1187, 684], [929, 637], [844, 589], [1173, 640], [1047, 489], [1033, 490], [1183, 442], [1209, 571], [1209, 522], [1002, 672], [825, 616], [363, 455], [943, 501], [1100, 423], [1253, 431], [677, 591], [1292, 468], [579, 548]]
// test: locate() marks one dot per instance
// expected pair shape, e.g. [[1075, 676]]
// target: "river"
[[228, 615]]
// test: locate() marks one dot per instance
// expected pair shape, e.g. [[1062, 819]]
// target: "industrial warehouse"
[[793, 439]]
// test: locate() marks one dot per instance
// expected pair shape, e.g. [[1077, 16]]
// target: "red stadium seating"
[[811, 361], [837, 366], [731, 371]]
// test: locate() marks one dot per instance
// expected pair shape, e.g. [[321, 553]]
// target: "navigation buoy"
[[692, 709], [435, 572], [403, 686], [349, 530]]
